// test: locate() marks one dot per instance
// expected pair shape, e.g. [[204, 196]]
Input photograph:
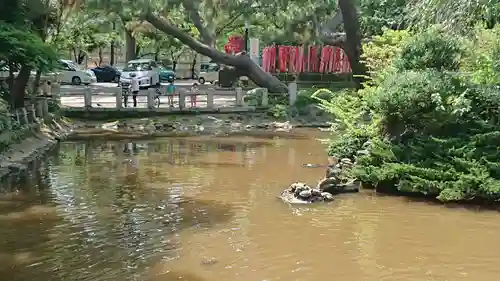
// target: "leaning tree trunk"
[[19, 87], [130, 46], [353, 40], [241, 62]]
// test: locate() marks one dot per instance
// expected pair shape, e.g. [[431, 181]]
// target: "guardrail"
[[24, 119], [205, 98]]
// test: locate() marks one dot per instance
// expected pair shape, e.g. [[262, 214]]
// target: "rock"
[[209, 261], [333, 171], [327, 196], [301, 193], [346, 161], [305, 194], [334, 185]]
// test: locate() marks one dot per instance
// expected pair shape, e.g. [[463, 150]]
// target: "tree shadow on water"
[[26, 220]]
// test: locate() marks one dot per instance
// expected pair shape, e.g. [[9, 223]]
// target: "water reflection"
[[205, 209], [103, 208]]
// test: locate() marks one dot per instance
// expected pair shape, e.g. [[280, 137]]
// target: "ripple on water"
[[206, 210]]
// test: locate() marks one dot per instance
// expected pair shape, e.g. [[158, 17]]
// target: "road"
[[104, 95]]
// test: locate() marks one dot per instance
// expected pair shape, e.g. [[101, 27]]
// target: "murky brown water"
[[206, 209]]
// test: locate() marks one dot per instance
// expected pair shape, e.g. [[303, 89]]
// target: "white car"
[[209, 73], [146, 71], [70, 73]]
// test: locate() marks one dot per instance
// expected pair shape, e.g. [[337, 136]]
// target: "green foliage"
[[426, 102], [433, 48], [278, 111], [379, 53], [482, 57], [23, 46], [420, 128], [377, 15]]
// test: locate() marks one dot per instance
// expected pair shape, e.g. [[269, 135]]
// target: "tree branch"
[[218, 31], [192, 9], [164, 26]]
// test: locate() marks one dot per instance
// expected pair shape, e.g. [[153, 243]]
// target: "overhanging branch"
[[164, 26], [218, 31], [192, 9]]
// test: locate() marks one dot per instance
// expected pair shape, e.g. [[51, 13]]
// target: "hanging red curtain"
[[265, 59], [331, 59], [292, 62], [282, 58], [309, 59], [313, 62], [272, 59], [300, 59], [338, 60], [324, 59]]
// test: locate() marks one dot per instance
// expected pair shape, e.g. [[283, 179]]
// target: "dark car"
[[106, 73], [166, 74]]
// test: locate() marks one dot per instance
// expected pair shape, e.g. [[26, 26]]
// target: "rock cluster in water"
[[301, 193], [335, 181]]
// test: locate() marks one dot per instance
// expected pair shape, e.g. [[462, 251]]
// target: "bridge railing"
[[206, 98], [24, 119]]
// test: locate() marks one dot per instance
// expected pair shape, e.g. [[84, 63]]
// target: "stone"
[[301, 193], [327, 196], [333, 171], [305, 194], [346, 161], [336, 186]]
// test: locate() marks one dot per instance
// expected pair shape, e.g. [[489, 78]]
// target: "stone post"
[[18, 118], [265, 97], [33, 113], [87, 97], [119, 98], [292, 93], [239, 96], [210, 98], [24, 112], [151, 98], [182, 99], [39, 109], [45, 109]]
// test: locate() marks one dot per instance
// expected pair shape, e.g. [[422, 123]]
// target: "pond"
[[205, 208]]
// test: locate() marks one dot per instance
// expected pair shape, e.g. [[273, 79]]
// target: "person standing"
[[194, 94], [135, 88], [170, 93]]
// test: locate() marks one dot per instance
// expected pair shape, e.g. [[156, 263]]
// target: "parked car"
[[146, 70], [106, 73], [209, 73], [166, 74], [71, 73]]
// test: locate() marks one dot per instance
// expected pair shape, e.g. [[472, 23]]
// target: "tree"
[[22, 34]]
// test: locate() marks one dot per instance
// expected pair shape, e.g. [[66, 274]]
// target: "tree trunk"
[[353, 40], [100, 56], [130, 46], [241, 62], [112, 53], [112, 46], [36, 83], [19, 87]]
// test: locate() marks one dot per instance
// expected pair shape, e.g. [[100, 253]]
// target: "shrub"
[[426, 102], [433, 48]]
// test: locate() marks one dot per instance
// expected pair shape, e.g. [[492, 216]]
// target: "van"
[[209, 73], [147, 72]]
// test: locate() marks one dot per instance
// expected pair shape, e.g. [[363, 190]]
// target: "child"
[[194, 94], [170, 93], [135, 88]]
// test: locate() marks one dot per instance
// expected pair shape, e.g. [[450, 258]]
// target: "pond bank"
[[36, 143], [182, 126]]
